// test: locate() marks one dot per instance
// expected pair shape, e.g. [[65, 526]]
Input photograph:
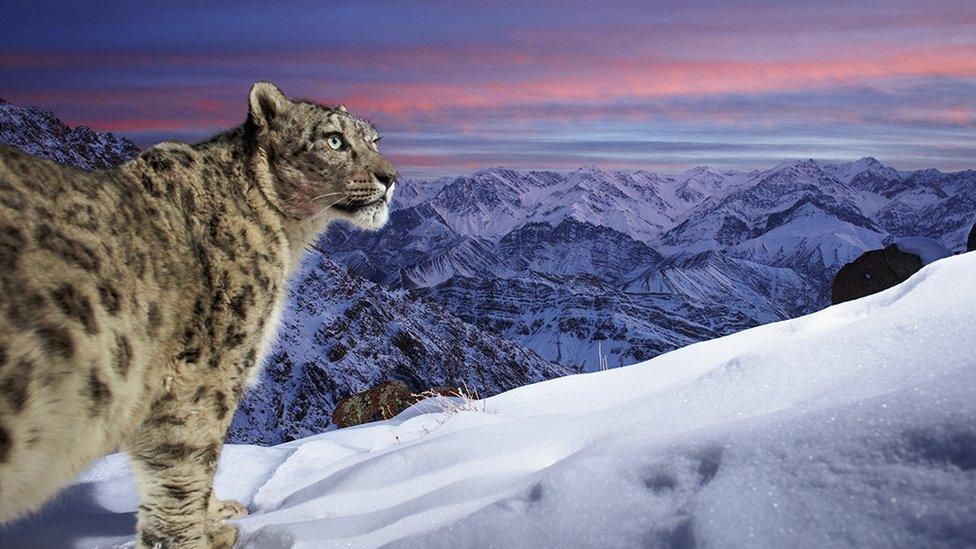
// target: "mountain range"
[[40, 133], [851, 427], [633, 264]]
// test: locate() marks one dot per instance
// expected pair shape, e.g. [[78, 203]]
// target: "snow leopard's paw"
[[222, 535], [226, 509]]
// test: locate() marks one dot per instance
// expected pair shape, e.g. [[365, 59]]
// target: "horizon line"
[[716, 169]]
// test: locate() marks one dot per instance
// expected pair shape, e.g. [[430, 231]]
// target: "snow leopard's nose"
[[386, 177]]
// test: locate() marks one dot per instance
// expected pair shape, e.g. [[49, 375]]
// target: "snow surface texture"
[[852, 426], [928, 250]]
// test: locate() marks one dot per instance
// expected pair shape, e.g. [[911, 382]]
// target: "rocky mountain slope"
[[640, 263], [341, 334], [41, 134]]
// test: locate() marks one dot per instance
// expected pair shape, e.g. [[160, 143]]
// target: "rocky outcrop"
[[386, 400], [874, 271], [971, 243], [383, 401]]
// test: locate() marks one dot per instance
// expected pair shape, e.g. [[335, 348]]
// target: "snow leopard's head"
[[323, 162]]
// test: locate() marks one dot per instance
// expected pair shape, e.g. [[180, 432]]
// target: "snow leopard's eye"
[[335, 141]]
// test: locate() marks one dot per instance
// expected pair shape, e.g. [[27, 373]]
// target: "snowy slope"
[[851, 427], [764, 293]]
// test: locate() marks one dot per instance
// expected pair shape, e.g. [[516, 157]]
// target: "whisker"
[[338, 201], [325, 209], [327, 194]]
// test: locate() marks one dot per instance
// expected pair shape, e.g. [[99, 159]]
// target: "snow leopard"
[[136, 303]]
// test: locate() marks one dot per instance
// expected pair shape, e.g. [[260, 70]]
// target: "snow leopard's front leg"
[[174, 455]]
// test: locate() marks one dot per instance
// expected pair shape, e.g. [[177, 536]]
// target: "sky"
[[455, 86]]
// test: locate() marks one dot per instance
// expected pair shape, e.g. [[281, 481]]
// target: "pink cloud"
[[656, 78]]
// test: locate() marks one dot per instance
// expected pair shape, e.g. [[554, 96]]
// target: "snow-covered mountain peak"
[[590, 169], [594, 181], [867, 168], [699, 183], [697, 171], [500, 172], [647, 174], [787, 164], [807, 166], [928, 174], [39, 133], [868, 162]]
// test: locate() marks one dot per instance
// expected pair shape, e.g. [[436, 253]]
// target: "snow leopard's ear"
[[267, 103]]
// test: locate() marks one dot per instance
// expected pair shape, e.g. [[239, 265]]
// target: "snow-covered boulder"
[[877, 270], [851, 427], [926, 249]]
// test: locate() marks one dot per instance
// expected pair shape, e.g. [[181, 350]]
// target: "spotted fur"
[[137, 302]]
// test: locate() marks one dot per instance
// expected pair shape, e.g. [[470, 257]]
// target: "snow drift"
[[853, 426]]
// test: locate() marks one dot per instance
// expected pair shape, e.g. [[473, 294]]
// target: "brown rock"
[[873, 272], [383, 401], [387, 399]]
